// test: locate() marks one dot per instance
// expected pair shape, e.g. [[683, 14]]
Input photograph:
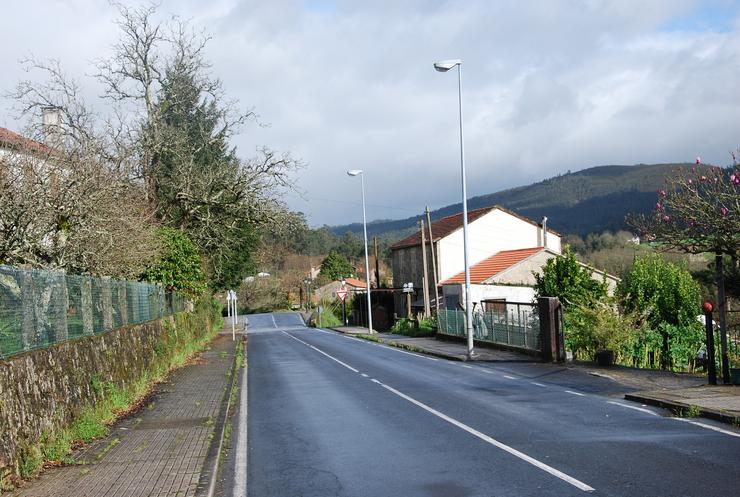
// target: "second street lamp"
[[359, 172], [445, 66]]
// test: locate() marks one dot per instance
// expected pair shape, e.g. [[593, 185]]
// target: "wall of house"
[[407, 266], [512, 293], [521, 274], [489, 234]]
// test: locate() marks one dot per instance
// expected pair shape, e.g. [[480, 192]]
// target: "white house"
[[507, 277], [490, 230]]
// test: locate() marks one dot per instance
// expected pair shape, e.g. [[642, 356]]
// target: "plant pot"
[[735, 376], [605, 358]]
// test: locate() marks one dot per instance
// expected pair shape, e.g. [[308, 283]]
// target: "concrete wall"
[[489, 234], [407, 266], [44, 390], [521, 274]]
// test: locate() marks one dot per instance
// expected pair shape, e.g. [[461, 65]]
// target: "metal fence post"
[[107, 303], [86, 305], [28, 299], [59, 311], [122, 302]]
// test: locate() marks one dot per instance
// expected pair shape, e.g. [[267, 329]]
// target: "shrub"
[[597, 326], [408, 327], [178, 268], [565, 278]]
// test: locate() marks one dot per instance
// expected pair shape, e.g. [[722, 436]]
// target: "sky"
[[547, 86]]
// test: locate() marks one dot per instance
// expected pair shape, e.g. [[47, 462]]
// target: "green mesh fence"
[[42, 308], [514, 324]]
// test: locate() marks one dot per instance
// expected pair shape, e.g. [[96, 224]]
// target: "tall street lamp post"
[[445, 66], [358, 172]]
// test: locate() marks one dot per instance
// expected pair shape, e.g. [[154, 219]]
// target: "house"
[[506, 277], [329, 291], [490, 230]]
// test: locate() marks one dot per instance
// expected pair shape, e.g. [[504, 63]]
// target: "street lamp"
[[358, 172], [445, 66]]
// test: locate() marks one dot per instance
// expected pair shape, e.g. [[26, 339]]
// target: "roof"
[[448, 225], [355, 283], [12, 140], [498, 263], [442, 227]]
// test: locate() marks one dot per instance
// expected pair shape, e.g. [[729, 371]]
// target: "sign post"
[[228, 309], [342, 296]]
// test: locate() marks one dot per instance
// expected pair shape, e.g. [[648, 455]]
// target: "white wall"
[[478, 293], [489, 234]]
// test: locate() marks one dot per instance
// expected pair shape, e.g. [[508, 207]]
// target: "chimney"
[[544, 231], [51, 125]]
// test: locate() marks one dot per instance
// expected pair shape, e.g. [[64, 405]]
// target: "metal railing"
[[41, 308], [514, 325]]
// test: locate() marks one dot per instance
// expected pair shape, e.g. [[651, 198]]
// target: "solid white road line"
[[322, 352], [575, 393], [538, 384], [240, 465], [709, 427], [635, 408], [534, 462], [466, 366]]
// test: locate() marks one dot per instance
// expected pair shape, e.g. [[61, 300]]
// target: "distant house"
[[507, 277], [490, 230], [329, 291]]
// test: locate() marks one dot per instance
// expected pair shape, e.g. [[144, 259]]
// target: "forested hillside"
[[588, 201]]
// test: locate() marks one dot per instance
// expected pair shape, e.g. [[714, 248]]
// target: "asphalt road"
[[332, 415]]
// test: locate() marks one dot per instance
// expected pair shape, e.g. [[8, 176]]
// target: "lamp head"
[[354, 172], [446, 65]]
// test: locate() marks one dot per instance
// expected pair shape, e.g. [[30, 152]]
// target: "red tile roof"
[[442, 227], [494, 265], [355, 283], [12, 140]]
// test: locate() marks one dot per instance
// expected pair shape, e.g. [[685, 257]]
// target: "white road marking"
[[273, 320], [646, 411], [364, 375], [538, 384], [466, 366], [534, 462], [575, 393], [709, 427], [510, 377], [322, 352], [240, 469], [324, 331]]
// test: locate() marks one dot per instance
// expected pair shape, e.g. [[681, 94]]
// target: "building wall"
[[489, 234], [512, 293], [407, 266], [521, 274]]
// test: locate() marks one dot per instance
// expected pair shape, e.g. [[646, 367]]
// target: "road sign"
[[342, 294]]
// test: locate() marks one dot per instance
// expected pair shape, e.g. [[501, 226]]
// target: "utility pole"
[[434, 261], [377, 262], [425, 278], [722, 303]]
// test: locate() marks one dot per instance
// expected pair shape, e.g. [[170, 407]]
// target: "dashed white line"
[[466, 366], [709, 427], [575, 393], [510, 377], [534, 462], [322, 352], [538, 384], [375, 381], [364, 375], [635, 408]]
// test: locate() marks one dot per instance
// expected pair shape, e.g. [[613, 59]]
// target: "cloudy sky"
[[548, 86]]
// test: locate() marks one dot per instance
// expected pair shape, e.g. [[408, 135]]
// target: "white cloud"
[[548, 86]]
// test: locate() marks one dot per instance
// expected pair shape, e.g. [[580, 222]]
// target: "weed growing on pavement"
[[690, 412]]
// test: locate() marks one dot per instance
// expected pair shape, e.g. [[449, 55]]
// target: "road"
[[333, 415]]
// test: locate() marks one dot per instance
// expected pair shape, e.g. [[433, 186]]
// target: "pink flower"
[[662, 193], [693, 169], [702, 178], [698, 160], [691, 181], [724, 211], [666, 218], [659, 206]]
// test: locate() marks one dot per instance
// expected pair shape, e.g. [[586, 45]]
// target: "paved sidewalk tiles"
[[161, 450]]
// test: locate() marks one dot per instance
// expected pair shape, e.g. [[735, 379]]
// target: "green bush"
[[178, 267], [598, 326], [407, 327], [669, 299], [565, 278]]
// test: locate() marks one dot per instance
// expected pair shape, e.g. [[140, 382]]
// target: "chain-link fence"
[[41, 308]]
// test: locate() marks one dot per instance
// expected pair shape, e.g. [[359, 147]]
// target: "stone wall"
[[43, 390]]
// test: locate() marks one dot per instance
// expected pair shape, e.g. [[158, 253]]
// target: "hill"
[[586, 201]]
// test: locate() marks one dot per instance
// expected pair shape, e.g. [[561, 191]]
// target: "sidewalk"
[[680, 392], [163, 450]]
